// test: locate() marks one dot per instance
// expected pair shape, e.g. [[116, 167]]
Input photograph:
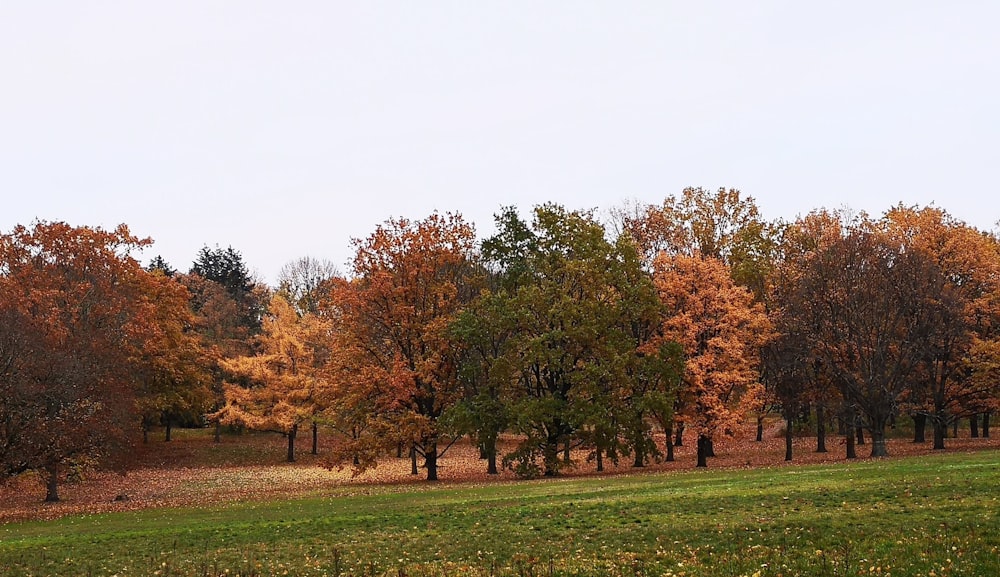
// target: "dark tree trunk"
[[986, 425], [169, 429], [860, 432], [315, 432], [760, 428], [218, 432], [431, 460], [639, 445], [600, 460], [709, 447], [566, 450], [940, 432], [679, 435], [919, 428], [52, 483], [850, 436], [489, 447], [955, 429], [879, 448], [788, 438], [399, 450], [413, 460], [145, 434], [669, 442], [974, 426], [491, 462], [820, 428], [291, 442], [702, 451]]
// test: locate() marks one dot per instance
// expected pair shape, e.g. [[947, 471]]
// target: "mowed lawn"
[[936, 515]]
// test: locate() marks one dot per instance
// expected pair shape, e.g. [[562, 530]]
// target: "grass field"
[[932, 515]]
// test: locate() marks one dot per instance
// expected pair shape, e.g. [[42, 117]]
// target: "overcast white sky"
[[284, 129]]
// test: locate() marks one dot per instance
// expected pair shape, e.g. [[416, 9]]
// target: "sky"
[[285, 129]]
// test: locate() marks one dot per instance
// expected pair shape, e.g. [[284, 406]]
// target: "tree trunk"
[[218, 431], [955, 429], [566, 450], [709, 447], [940, 432], [788, 438], [860, 432], [145, 434], [702, 451], [600, 460], [850, 436], [919, 428], [760, 428], [669, 442], [399, 450], [986, 425], [639, 444], [315, 432], [679, 438], [491, 456], [52, 483], [820, 428], [166, 434], [413, 460], [879, 448], [291, 442], [430, 460], [974, 426]]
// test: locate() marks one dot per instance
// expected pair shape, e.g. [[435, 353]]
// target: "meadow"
[[930, 515]]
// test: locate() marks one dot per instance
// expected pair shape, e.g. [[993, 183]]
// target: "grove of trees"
[[563, 332]]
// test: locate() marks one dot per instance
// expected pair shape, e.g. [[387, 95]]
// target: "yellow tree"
[[280, 386], [721, 330], [391, 332]]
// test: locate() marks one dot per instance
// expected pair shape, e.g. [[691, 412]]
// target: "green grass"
[[923, 516]]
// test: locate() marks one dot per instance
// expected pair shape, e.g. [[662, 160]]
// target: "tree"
[[722, 331], [159, 264], [74, 310], [871, 309], [965, 307], [226, 267], [282, 379], [391, 331], [305, 283], [723, 225], [483, 335], [562, 331], [176, 380]]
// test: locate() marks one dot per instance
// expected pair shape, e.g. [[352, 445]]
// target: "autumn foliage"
[[558, 340]]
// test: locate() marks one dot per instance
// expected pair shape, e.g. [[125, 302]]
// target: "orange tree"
[[721, 224], [176, 379], [76, 313], [721, 330], [390, 336]]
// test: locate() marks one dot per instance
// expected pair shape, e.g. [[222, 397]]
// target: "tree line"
[[562, 330]]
